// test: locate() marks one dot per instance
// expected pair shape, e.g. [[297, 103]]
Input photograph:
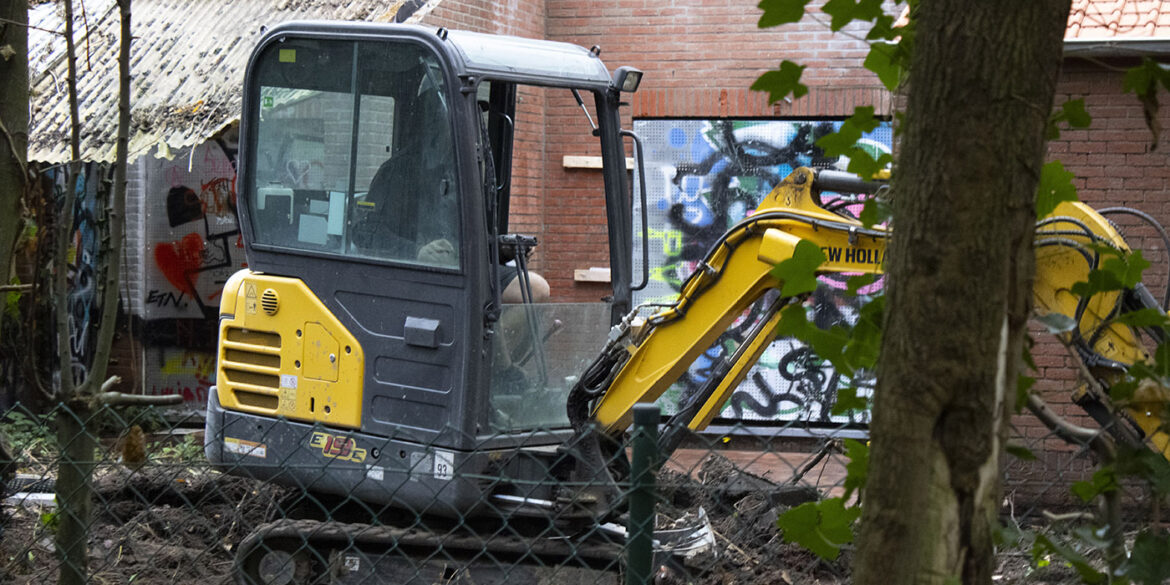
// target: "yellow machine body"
[[283, 354]]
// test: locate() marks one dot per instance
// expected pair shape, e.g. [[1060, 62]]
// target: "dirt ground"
[[165, 525], [156, 525]]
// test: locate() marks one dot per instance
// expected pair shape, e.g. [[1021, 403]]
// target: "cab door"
[[352, 182]]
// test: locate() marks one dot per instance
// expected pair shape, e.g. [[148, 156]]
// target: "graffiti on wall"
[[195, 241], [703, 176], [83, 241], [192, 246]]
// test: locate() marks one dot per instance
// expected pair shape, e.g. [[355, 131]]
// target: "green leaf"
[[883, 29], [1161, 365], [1142, 78], [1143, 463], [821, 527], [1143, 81], [863, 164], [799, 273], [1123, 390], [1104, 480], [1008, 535], [1020, 452], [1075, 114], [780, 83], [1151, 317], [1071, 112], [828, 344], [847, 401], [778, 12], [886, 61], [857, 470], [1149, 563], [1098, 281], [1043, 546], [843, 142], [862, 349], [839, 143], [1119, 272], [1023, 390], [858, 282], [844, 12], [1128, 268], [12, 300], [1029, 360], [1055, 187], [1057, 323], [876, 210]]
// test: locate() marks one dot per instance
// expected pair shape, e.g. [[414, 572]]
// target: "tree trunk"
[[13, 126], [75, 477], [74, 490], [959, 285], [76, 463]]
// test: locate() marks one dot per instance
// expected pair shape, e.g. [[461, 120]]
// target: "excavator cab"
[[367, 351]]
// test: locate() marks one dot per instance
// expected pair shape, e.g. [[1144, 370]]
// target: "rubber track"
[[503, 547]]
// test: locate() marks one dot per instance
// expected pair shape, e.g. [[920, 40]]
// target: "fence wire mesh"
[[336, 510]]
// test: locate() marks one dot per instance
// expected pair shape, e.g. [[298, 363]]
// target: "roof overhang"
[[1117, 47]]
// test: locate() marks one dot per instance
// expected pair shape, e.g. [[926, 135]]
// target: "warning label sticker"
[[242, 447]]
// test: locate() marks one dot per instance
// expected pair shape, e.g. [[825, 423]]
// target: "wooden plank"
[[594, 274], [590, 162]]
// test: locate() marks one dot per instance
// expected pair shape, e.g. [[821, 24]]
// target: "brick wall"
[[699, 59], [1115, 165]]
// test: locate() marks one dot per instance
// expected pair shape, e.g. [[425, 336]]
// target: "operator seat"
[[412, 203]]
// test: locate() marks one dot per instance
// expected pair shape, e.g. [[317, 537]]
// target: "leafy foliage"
[[1103, 480], [1072, 113], [843, 142], [857, 470], [822, 527], [778, 12], [844, 12], [779, 83], [1149, 564], [1118, 272], [1044, 546], [888, 62], [30, 434], [798, 273], [1143, 81], [1055, 187]]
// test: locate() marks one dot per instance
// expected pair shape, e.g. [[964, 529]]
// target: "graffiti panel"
[[193, 238], [703, 176], [84, 245], [192, 246]]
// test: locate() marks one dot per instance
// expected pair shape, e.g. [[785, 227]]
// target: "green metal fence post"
[[643, 464]]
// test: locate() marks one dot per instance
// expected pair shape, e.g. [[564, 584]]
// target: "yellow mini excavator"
[[366, 354]]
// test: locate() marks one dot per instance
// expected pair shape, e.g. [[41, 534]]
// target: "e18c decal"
[[337, 447]]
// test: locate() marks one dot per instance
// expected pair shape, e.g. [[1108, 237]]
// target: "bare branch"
[[15, 151], [29, 26], [123, 399]]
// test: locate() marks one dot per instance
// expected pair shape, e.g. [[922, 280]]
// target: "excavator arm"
[[646, 354]]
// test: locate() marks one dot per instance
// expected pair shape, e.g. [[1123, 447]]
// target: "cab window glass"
[[354, 153]]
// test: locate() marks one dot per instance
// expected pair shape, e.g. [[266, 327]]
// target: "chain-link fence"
[[337, 510]]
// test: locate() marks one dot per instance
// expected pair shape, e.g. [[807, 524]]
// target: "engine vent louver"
[[250, 364]]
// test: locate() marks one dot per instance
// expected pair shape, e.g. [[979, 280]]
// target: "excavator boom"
[[653, 351]]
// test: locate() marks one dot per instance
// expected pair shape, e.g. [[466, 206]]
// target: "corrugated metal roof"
[[187, 66]]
